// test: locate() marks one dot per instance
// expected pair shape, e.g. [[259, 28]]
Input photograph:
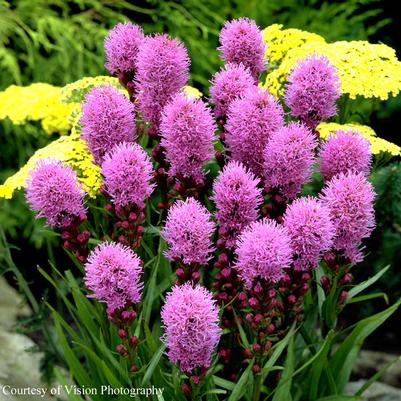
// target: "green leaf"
[[377, 376], [152, 365], [368, 297], [362, 286], [340, 398], [319, 366], [76, 368], [223, 383], [343, 359], [277, 351], [240, 387], [283, 389]]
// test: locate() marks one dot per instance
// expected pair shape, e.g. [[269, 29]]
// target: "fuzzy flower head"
[[263, 250], [237, 197], [345, 151], [190, 320], [107, 119], [127, 172], [187, 131], [121, 46], [53, 191], [350, 200], [252, 119], [241, 42], [113, 273], [187, 232], [232, 81], [288, 159], [312, 90], [162, 70], [311, 231]]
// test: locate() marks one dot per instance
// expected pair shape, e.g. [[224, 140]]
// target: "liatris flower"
[[242, 42], [113, 273], [252, 119], [107, 119], [121, 46], [187, 131], [162, 70], [190, 319], [187, 232], [311, 231], [288, 159], [237, 198], [127, 172], [52, 190], [345, 151], [263, 251], [312, 90], [228, 84], [350, 200]]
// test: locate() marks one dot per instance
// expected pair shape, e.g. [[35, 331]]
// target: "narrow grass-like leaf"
[[353, 292], [240, 387]]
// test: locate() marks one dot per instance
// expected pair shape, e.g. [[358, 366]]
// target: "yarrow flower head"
[[252, 119], [162, 70], [312, 90], [237, 198], [187, 131], [113, 274], [127, 171], [345, 151], [52, 190], [121, 46], [241, 41], [232, 81], [190, 320], [311, 231], [288, 159], [263, 250], [187, 232], [350, 200], [107, 119]]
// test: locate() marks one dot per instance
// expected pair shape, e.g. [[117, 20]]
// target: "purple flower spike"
[[311, 231], [190, 320], [312, 90], [162, 70], [113, 274], [107, 119], [289, 156], [345, 151], [242, 43], [53, 191], [127, 172], [228, 84], [252, 120], [237, 198], [187, 232], [350, 200], [263, 251], [121, 46], [187, 131]]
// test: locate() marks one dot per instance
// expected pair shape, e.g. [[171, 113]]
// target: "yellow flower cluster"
[[191, 92], [70, 149], [76, 91], [365, 69], [279, 41], [36, 102], [377, 145]]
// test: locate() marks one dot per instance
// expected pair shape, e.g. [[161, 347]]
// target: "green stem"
[[257, 387]]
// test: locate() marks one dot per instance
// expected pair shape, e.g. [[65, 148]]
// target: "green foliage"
[[61, 41]]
